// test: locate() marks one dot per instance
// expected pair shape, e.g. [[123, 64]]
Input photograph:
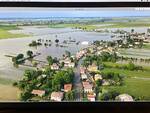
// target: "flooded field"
[[20, 45]]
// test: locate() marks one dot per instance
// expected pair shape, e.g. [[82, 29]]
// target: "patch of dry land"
[[9, 93]]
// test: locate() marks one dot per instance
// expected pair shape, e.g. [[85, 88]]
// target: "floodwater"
[[20, 45]]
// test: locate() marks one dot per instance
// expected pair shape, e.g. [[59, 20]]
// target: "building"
[[57, 96], [98, 77], [92, 68], [71, 64], [124, 97], [91, 97], [83, 76], [38, 92], [88, 88], [67, 87], [54, 66], [82, 70]]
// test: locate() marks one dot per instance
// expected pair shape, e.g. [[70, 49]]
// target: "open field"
[[100, 25], [136, 83], [9, 93], [4, 32], [146, 46]]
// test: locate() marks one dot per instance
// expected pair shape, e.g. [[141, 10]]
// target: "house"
[[67, 87], [81, 53], [92, 68], [38, 92], [83, 76], [98, 77], [57, 96], [105, 82], [82, 70], [54, 66], [124, 97], [91, 97], [71, 64], [87, 87]]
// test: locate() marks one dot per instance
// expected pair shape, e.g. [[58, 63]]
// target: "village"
[[79, 77]]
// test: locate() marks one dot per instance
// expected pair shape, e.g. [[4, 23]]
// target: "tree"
[[68, 53], [98, 82], [50, 60], [30, 53], [131, 66], [70, 95], [25, 96], [132, 30], [57, 41]]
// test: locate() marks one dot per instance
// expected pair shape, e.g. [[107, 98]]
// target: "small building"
[[83, 76], [92, 68], [71, 64], [67, 87], [54, 66], [124, 97], [98, 77], [57, 96], [91, 97], [38, 92], [88, 88], [82, 70]]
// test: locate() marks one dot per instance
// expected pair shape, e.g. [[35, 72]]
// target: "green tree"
[[50, 60], [30, 53], [70, 96]]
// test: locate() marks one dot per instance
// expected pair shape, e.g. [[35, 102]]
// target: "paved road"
[[77, 82]]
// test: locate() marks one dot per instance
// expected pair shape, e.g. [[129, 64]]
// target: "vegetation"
[[4, 31], [34, 43]]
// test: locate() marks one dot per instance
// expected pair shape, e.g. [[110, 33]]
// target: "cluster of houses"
[[67, 62], [81, 53], [55, 96]]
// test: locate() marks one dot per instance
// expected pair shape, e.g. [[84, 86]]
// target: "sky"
[[23, 13]]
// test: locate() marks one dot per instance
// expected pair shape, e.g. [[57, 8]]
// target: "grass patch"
[[4, 32], [146, 46], [9, 93], [133, 86], [95, 26]]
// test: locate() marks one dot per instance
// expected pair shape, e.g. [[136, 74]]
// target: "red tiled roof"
[[67, 87]]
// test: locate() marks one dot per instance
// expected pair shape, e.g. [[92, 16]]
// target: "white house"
[[57, 96], [124, 97], [83, 76], [91, 97], [88, 88], [98, 77]]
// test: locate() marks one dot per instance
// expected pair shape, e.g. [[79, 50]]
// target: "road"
[[77, 82]]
